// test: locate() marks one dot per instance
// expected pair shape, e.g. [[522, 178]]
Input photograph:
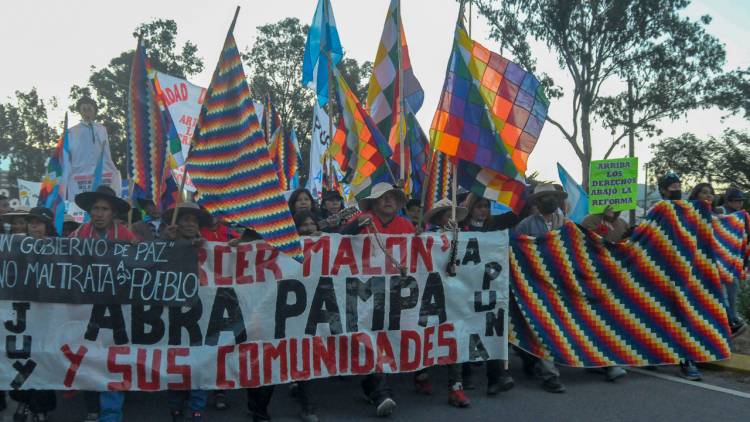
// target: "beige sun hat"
[[19, 211], [444, 205], [379, 190], [543, 189]]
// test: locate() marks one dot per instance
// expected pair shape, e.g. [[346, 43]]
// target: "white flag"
[[319, 143]]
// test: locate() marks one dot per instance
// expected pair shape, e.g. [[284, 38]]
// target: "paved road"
[[638, 397]]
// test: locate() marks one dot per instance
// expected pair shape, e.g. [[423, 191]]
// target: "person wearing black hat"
[[103, 206], [89, 143], [36, 403]]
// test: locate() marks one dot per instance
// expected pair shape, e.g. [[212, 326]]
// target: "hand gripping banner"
[[655, 298], [262, 318]]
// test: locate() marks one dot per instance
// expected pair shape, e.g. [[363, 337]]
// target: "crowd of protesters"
[[387, 210]]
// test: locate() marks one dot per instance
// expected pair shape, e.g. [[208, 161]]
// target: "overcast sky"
[[51, 45]]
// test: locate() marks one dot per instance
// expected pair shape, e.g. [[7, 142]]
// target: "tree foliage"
[[275, 70], [25, 135], [109, 85], [672, 62], [722, 161]]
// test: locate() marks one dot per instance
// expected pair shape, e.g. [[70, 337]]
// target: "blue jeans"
[[196, 399], [110, 406]]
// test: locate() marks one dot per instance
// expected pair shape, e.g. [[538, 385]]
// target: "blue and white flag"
[[322, 40], [578, 199]]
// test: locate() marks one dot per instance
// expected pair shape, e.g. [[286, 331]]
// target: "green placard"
[[613, 183]]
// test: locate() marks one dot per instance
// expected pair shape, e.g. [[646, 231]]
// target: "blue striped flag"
[[322, 41]]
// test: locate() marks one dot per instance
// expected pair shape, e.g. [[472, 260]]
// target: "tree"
[[109, 85], [721, 161], [673, 64], [25, 136], [275, 67]]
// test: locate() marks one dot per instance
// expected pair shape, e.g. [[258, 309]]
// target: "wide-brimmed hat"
[[68, 219], [543, 189], [40, 213], [86, 200], [20, 211], [204, 218], [444, 205], [86, 100], [379, 190]]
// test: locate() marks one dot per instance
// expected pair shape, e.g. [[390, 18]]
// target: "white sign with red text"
[[263, 318]]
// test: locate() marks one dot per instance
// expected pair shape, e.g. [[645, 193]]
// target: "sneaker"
[[176, 415], [613, 373], [91, 417], [294, 390], [457, 397], [504, 383], [196, 417], [21, 413], [422, 384], [308, 416], [385, 407], [689, 371], [737, 327], [220, 401], [553, 385]]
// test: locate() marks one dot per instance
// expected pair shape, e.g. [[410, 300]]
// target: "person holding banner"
[[380, 216], [37, 403], [190, 219], [439, 217], [670, 188], [103, 206], [89, 148], [547, 200], [478, 219], [302, 200], [16, 219]]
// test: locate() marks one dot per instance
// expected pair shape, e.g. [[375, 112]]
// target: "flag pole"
[[401, 133], [192, 138], [327, 157]]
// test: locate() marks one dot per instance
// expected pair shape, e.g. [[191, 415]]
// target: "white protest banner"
[[184, 101], [262, 318], [28, 192]]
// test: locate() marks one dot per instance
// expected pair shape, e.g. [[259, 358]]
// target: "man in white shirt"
[[89, 144]]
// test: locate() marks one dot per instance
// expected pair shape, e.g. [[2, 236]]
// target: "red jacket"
[[399, 225], [115, 232]]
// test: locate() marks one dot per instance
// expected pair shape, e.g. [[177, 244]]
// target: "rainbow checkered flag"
[[394, 96], [489, 117], [53, 189], [229, 163], [147, 133], [358, 146]]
